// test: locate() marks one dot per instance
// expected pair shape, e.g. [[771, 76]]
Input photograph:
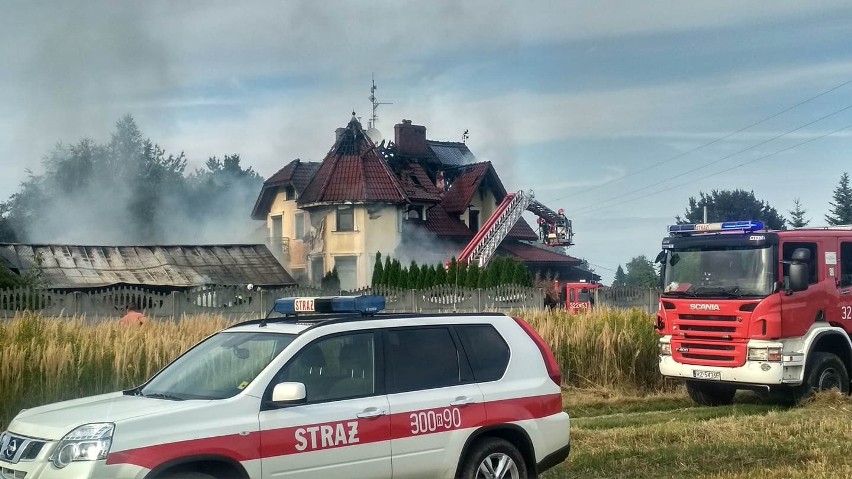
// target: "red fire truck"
[[579, 296], [747, 308]]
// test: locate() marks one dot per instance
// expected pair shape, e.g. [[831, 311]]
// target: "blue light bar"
[[364, 304], [727, 226]]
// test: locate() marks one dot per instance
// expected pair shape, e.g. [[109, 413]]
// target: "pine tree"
[[472, 279], [378, 271], [440, 275], [413, 275], [841, 207], [521, 274], [507, 273], [387, 273], [620, 277], [797, 215], [452, 271], [462, 274]]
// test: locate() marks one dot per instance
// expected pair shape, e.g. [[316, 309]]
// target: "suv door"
[[343, 427], [433, 400]]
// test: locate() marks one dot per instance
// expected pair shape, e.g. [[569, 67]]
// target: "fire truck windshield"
[[720, 272]]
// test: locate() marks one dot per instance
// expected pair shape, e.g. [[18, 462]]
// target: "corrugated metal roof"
[[74, 266]]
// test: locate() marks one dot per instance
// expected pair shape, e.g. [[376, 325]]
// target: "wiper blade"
[[690, 294], [162, 396], [718, 290]]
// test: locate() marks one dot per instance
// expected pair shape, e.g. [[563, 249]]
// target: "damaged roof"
[[529, 253], [464, 186], [74, 266], [353, 171]]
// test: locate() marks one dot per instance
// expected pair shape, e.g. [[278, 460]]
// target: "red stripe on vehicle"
[[320, 436]]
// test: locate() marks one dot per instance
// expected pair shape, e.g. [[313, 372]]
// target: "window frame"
[[845, 259], [813, 264], [378, 373], [337, 217], [465, 371]]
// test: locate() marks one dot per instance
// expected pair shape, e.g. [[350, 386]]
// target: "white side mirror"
[[288, 393]]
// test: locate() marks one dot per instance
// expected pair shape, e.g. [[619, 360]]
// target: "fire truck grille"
[[708, 353], [710, 326]]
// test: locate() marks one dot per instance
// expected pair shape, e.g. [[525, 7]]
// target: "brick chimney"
[[410, 139]]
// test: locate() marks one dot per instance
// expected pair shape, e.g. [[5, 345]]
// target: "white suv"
[[337, 396]]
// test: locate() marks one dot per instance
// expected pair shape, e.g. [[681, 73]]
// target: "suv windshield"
[[725, 272], [218, 368]]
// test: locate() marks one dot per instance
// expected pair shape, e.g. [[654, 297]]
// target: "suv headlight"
[[89, 442], [764, 354]]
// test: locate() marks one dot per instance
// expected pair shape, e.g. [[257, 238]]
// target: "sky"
[[616, 111]]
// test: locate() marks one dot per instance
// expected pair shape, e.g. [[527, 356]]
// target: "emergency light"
[[364, 304], [726, 227]]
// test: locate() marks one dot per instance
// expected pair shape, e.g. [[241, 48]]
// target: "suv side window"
[[486, 350], [421, 358], [334, 368]]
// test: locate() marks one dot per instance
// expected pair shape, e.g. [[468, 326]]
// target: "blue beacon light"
[[364, 304], [727, 226]]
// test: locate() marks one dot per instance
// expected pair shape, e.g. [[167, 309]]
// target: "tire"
[[493, 458], [189, 475], [710, 394], [824, 372]]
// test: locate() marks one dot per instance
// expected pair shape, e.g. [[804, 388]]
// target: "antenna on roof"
[[375, 103], [465, 136]]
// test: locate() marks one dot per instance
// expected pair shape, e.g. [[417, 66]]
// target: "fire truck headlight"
[[665, 349], [764, 354], [89, 442]]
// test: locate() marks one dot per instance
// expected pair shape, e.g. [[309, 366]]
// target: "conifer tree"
[[521, 274], [462, 274], [378, 271], [452, 271], [507, 272], [440, 275], [387, 273], [413, 275], [472, 277], [797, 215], [620, 277], [841, 207]]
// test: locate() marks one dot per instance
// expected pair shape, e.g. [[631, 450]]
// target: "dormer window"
[[415, 213], [289, 193]]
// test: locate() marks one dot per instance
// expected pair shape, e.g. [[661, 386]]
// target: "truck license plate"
[[698, 374]]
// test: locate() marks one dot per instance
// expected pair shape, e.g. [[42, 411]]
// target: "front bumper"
[[757, 373]]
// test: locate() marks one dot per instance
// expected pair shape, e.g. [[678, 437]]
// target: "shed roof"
[[76, 266]]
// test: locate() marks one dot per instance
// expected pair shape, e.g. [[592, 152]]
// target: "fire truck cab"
[[743, 307], [579, 296]]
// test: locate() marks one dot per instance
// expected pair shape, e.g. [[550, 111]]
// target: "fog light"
[[665, 349]]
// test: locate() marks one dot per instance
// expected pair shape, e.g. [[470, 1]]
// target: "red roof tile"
[[441, 223], [522, 231], [353, 171], [296, 173], [416, 182], [463, 187]]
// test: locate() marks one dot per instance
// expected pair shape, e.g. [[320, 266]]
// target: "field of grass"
[[667, 436], [627, 423]]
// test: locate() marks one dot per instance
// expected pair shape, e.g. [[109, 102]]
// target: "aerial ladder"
[[554, 229]]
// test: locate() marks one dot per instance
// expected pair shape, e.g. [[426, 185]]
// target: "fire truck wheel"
[[494, 458], [824, 372], [710, 394]]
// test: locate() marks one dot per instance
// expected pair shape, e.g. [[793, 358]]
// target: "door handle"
[[371, 413], [462, 401]]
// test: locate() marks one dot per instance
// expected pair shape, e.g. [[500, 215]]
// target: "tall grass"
[[44, 360], [605, 348]]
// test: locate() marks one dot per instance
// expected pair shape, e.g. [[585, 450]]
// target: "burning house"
[[412, 198]]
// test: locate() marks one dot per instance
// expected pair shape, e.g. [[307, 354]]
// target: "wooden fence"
[[238, 301]]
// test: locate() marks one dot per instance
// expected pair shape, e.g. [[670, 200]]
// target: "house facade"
[[412, 199]]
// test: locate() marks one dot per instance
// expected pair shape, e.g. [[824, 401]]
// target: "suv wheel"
[[710, 394], [190, 475], [494, 458], [824, 372]]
